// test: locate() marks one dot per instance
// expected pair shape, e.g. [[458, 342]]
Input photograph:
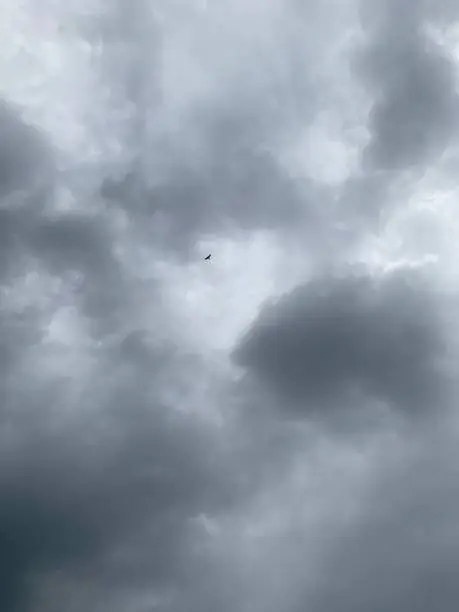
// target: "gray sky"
[[275, 429]]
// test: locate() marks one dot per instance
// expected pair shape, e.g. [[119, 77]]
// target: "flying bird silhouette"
[[208, 257]]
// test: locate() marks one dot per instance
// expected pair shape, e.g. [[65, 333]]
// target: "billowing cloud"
[[96, 459], [138, 469], [399, 553], [414, 116], [101, 475], [336, 339], [26, 166], [209, 154]]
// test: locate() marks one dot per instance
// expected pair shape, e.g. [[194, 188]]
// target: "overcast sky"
[[275, 429]]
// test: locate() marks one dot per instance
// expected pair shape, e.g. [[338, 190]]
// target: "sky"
[[273, 429]]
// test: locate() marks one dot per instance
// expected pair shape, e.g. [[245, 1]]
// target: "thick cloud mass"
[[334, 339], [415, 113], [401, 553], [171, 429]]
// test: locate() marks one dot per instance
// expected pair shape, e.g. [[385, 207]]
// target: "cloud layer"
[[271, 430], [338, 340]]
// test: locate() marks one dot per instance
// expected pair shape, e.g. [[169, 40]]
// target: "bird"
[[208, 257]]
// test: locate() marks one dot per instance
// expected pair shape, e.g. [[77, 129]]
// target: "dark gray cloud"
[[26, 170], [93, 466], [224, 171], [26, 175], [414, 117], [336, 339], [80, 244], [63, 243], [25, 156], [112, 495], [237, 184], [401, 552], [80, 489]]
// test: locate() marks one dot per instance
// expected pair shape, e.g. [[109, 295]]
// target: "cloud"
[[399, 553], [233, 183], [408, 75], [100, 472], [92, 471], [26, 171], [25, 156], [209, 157], [329, 342], [414, 117], [138, 469], [78, 245]]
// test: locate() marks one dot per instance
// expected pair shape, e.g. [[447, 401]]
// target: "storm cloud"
[[415, 115], [337, 338], [172, 429]]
